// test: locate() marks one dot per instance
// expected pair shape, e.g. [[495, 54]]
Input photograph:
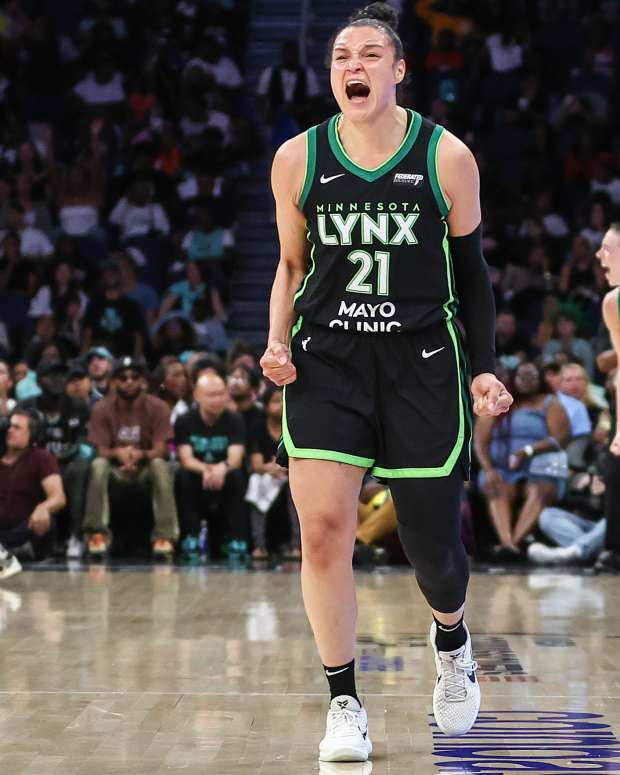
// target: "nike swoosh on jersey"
[[426, 354], [323, 179]]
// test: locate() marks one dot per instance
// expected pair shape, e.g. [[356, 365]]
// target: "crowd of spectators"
[[126, 128]]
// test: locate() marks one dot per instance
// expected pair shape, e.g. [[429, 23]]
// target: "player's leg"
[[429, 524], [325, 495]]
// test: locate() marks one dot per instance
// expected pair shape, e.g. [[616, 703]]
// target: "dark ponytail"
[[381, 16]]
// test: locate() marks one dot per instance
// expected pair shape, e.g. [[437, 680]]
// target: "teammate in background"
[[609, 256], [378, 216]]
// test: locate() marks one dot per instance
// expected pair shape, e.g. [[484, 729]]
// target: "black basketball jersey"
[[379, 255]]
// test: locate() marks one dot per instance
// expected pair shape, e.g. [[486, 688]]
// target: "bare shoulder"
[[288, 168], [610, 308], [453, 157]]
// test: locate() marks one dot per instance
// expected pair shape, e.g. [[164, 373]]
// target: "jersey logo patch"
[[304, 344], [428, 354], [407, 179], [323, 179]]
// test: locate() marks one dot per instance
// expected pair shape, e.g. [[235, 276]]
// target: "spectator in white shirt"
[[101, 86], [136, 214], [33, 243], [210, 60]]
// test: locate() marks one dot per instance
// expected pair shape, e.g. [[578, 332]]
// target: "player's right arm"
[[287, 177], [611, 317]]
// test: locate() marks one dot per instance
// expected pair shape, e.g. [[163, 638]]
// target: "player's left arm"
[[460, 181]]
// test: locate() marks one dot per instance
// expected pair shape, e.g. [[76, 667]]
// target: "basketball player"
[[609, 256], [379, 222]]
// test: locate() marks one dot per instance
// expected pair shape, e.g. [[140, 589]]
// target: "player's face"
[[363, 72], [609, 256]]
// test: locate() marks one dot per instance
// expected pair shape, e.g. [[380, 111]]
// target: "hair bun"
[[382, 12]]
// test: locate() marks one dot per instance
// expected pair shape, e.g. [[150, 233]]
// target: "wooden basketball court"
[[158, 670]]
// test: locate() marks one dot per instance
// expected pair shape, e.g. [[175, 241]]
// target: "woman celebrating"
[[378, 215]]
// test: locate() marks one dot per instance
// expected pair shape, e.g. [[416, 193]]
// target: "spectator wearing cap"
[[98, 361], [31, 492], [63, 430], [113, 320], [78, 382], [130, 430]]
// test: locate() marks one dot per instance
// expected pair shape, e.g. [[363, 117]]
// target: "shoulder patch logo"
[[408, 178]]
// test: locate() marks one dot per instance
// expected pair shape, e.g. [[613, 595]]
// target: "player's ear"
[[399, 71]]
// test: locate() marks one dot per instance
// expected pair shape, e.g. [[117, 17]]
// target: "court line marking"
[[182, 692]]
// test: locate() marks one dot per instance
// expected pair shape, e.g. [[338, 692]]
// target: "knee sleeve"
[[429, 526]]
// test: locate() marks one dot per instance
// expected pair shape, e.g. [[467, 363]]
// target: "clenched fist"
[[277, 365]]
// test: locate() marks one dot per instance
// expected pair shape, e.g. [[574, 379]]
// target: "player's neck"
[[374, 140]]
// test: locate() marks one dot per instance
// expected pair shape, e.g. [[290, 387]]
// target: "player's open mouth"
[[357, 91]]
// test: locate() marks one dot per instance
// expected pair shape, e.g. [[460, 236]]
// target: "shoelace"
[[455, 680], [343, 721]]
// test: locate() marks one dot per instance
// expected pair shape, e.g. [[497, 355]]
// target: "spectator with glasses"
[[130, 430]]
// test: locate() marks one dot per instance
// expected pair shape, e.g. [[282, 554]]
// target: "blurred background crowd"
[[128, 131]]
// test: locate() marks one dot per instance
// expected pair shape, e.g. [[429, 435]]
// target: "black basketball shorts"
[[397, 404]]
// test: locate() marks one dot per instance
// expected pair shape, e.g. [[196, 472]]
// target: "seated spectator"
[[202, 363], [210, 441], [51, 299], [508, 340], [184, 293], [7, 404], [130, 430], [577, 536], [574, 382], [210, 60], [173, 334], [568, 319], [98, 362], [102, 86], [33, 243], [63, 430], [112, 320], [78, 195], [30, 493], [243, 385], [507, 448], [131, 287], [209, 246], [579, 270], [137, 214], [79, 384], [560, 380], [268, 489], [376, 522], [288, 85], [170, 383]]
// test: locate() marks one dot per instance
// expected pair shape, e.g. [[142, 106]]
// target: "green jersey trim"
[[446, 468], [310, 165], [431, 159], [310, 272], [371, 175]]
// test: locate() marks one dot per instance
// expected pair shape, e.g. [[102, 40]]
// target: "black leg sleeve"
[[429, 526]]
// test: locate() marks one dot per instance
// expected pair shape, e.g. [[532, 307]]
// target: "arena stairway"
[[272, 22]]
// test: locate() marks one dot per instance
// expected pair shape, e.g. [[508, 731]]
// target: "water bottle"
[[203, 540]]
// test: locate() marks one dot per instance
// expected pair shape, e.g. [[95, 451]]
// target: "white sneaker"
[[553, 555], [9, 564], [75, 548], [456, 698], [346, 732]]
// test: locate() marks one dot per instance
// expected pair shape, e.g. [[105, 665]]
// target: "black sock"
[[342, 680], [450, 636]]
